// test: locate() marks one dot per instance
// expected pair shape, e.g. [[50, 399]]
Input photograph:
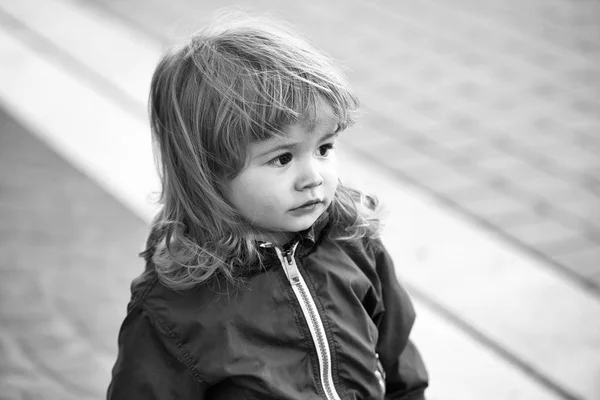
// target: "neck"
[[277, 238]]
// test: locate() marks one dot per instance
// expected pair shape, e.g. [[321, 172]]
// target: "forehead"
[[311, 127], [307, 132], [321, 115]]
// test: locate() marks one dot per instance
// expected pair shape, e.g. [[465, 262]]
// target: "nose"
[[310, 176]]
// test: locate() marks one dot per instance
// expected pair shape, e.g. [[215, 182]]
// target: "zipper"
[[311, 314], [380, 374]]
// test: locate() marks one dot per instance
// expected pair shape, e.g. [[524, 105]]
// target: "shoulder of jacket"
[[207, 305], [164, 334], [366, 246], [176, 317]]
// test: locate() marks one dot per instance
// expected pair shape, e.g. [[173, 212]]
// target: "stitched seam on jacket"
[[139, 301], [189, 362], [149, 286]]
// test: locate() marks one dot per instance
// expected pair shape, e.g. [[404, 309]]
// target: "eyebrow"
[[291, 146]]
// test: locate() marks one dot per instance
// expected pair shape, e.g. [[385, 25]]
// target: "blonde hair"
[[236, 82]]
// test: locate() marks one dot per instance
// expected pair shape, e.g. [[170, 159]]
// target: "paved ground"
[[491, 108], [62, 238]]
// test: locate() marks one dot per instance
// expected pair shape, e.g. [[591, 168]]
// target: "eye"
[[281, 160], [325, 149]]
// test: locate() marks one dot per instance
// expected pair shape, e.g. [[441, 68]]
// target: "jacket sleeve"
[[406, 375], [149, 365]]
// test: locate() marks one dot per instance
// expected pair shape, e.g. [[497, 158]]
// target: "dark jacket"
[[253, 340]]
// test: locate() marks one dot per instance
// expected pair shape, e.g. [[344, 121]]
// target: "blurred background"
[[480, 133]]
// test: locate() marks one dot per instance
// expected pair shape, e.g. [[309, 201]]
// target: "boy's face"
[[288, 182]]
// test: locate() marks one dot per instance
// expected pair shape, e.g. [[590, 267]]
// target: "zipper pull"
[[289, 264], [289, 256]]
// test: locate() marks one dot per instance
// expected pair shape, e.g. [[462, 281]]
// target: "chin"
[[302, 225]]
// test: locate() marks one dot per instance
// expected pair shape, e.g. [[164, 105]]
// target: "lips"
[[307, 204]]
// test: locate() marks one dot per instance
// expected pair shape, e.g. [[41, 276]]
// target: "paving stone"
[[584, 262], [567, 246], [570, 155], [356, 137], [398, 158], [479, 153], [532, 180], [536, 234], [489, 204], [438, 177], [582, 205]]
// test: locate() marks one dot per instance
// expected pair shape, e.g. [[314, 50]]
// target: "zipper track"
[[311, 314]]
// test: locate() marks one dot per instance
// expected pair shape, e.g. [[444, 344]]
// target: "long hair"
[[234, 83]]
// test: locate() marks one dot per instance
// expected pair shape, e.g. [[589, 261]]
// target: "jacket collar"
[[306, 240]]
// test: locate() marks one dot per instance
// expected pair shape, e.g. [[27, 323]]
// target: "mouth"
[[308, 204]]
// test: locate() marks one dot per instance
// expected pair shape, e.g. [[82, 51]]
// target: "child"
[[264, 276]]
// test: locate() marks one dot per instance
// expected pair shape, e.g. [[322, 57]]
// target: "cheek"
[[332, 170], [331, 177], [240, 194], [256, 196], [267, 201]]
